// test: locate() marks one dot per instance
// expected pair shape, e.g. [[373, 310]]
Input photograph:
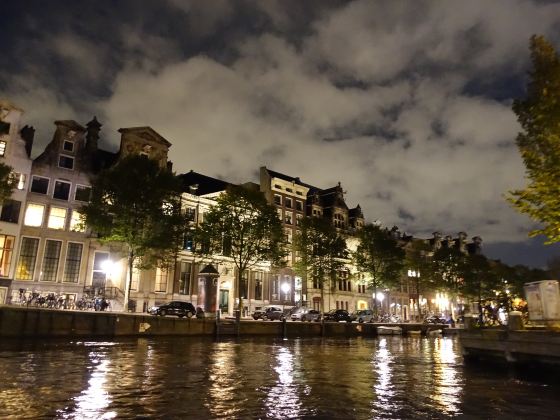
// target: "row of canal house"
[[45, 249]]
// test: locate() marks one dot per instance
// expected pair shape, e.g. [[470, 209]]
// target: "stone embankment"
[[514, 344], [20, 322]]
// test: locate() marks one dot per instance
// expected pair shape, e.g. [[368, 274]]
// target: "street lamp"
[[285, 289]]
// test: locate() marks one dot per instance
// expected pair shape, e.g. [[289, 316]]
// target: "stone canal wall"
[[35, 322]]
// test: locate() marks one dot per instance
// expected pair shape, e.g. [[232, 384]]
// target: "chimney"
[[93, 128], [27, 133]]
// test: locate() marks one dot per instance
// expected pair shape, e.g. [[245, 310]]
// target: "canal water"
[[264, 378]]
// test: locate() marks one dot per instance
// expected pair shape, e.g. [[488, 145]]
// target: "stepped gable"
[[199, 184], [356, 212]]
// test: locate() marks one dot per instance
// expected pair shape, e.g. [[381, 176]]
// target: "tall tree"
[[481, 281], [419, 262], [321, 252], [137, 203], [539, 141], [449, 269], [6, 182], [243, 226], [379, 255]]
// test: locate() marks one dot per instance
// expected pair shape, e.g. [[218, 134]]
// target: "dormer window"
[[4, 127], [68, 146]]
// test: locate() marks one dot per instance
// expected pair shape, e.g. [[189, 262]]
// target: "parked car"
[[257, 314], [364, 315], [338, 315], [297, 313], [273, 313], [174, 307], [311, 315]]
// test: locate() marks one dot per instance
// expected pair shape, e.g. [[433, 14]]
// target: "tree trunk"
[[128, 282], [375, 310]]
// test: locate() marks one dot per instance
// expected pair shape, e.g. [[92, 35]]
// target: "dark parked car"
[[174, 307], [311, 315], [272, 313], [338, 315], [258, 314]]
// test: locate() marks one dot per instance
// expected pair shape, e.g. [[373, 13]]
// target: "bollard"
[[515, 321]]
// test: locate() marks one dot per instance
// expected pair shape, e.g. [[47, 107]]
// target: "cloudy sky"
[[406, 103]]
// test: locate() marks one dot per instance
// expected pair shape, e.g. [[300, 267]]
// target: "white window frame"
[[43, 177], [66, 156], [42, 216], [64, 182], [43, 260], [19, 255], [66, 261], [65, 218], [76, 190]]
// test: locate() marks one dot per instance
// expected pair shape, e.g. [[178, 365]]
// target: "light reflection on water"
[[392, 377]]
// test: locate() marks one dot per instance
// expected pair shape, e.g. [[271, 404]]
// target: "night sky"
[[407, 104]]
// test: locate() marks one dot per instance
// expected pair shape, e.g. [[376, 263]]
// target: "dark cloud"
[[413, 98]]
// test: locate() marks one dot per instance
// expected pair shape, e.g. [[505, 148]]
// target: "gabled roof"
[[204, 184], [275, 174], [146, 132], [70, 124]]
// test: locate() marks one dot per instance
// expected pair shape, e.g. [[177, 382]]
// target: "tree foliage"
[[379, 255], [539, 141], [6, 182], [419, 259], [321, 252], [137, 203], [449, 265], [243, 226]]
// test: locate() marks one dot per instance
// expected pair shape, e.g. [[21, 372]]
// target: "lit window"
[[61, 190], [66, 162], [135, 279], [2, 148], [20, 181], [6, 249], [57, 218], [34, 215], [68, 146], [83, 193], [77, 222], [288, 218], [299, 218], [161, 280], [27, 258], [39, 184]]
